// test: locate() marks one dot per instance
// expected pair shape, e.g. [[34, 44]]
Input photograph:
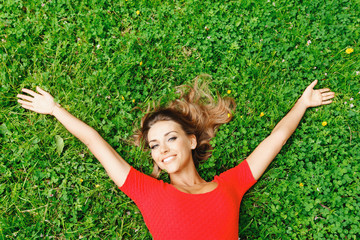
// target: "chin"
[[171, 170]]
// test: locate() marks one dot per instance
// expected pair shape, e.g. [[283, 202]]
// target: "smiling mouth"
[[168, 159]]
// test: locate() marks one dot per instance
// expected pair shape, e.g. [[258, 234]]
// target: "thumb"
[[313, 84], [41, 91]]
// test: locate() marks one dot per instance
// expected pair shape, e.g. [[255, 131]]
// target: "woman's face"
[[170, 146]]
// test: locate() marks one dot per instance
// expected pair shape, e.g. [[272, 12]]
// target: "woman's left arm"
[[267, 150]]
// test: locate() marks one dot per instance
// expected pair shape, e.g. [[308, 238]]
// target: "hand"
[[41, 103], [314, 98]]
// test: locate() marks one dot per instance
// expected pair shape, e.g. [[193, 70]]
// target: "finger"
[[41, 91], [24, 102], [324, 90], [327, 98], [327, 102], [328, 95], [32, 93], [313, 84], [24, 97], [27, 107]]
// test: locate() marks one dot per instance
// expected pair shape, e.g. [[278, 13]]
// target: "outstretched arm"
[[263, 155], [42, 102]]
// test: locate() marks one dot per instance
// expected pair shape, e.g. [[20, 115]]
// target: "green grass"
[[88, 55]]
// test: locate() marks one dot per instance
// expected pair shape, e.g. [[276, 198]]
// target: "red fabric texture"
[[172, 214]]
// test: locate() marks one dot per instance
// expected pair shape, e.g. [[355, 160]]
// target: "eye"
[[172, 139], [153, 147]]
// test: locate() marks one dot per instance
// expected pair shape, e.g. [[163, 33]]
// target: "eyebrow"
[[154, 140]]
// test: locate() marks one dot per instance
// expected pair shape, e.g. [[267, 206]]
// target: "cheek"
[[154, 155]]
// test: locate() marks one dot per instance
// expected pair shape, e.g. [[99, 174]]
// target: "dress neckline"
[[195, 194]]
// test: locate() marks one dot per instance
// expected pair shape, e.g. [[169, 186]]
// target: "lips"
[[168, 159]]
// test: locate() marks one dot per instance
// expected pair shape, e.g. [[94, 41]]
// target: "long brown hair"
[[197, 113]]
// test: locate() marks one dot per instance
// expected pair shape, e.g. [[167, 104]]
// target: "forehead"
[[160, 128]]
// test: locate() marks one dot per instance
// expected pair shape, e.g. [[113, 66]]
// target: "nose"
[[164, 148]]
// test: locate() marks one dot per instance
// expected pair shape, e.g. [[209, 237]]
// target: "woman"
[[178, 136]]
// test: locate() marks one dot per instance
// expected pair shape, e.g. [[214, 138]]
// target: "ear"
[[193, 141]]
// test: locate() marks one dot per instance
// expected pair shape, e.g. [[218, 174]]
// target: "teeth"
[[168, 159]]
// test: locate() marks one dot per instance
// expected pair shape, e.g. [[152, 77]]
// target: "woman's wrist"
[[302, 102], [55, 108]]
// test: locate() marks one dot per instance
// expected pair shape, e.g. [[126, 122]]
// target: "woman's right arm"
[[116, 167]]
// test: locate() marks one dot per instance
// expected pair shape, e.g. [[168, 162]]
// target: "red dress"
[[172, 214]]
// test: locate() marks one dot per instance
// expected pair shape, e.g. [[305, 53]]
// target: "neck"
[[186, 177]]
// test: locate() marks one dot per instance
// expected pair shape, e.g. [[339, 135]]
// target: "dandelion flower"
[[324, 123], [262, 114], [301, 184], [228, 91], [349, 50], [137, 12], [122, 97], [97, 185], [141, 63], [133, 100], [81, 180], [229, 115]]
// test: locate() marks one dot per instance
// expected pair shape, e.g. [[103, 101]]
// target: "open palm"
[[41, 102], [314, 98]]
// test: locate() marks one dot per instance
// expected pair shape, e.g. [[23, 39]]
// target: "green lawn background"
[[104, 61]]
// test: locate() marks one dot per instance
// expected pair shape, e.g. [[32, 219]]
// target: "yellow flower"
[[122, 97], [301, 184], [324, 123], [229, 115], [97, 185], [81, 180], [137, 12], [349, 50], [228, 91], [262, 114], [140, 63], [133, 100]]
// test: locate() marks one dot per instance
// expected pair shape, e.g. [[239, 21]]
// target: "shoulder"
[[139, 185], [239, 175]]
